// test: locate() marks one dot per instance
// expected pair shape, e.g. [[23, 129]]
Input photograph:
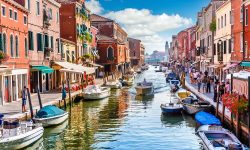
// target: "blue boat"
[[171, 108], [51, 115], [204, 118]]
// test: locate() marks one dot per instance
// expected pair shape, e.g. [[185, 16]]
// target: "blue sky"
[[152, 21]]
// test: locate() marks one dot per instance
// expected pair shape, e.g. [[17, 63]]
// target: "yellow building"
[[68, 51]]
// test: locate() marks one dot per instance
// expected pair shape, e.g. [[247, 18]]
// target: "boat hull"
[[22, 141], [193, 109], [144, 90], [96, 96], [52, 121], [171, 109]]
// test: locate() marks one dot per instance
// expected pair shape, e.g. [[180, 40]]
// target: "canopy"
[[49, 111], [230, 66], [204, 118], [75, 68], [245, 64], [43, 69], [242, 74], [216, 66], [96, 65]]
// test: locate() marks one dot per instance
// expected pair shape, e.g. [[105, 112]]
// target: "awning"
[[216, 66], [230, 66], [245, 64], [75, 68], [96, 65], [43, 69]]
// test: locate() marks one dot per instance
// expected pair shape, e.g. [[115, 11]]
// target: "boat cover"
[[204, 118], [49, 111]]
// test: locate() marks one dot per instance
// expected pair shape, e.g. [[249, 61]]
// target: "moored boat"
[[204, 118], [17, 135], [127, 81], [94, 92], [171, 108], [182, 94], [144, 88], [114, 84], [218, 138], [50, 116], [192, 106]]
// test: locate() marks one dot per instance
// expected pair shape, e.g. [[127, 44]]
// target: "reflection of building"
[[136, 52], [14, 43], [111, 44]]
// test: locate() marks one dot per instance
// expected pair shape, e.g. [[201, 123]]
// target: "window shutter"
[[1, 42], [51, 42]]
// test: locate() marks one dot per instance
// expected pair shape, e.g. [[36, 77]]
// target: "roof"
[[97, 18]]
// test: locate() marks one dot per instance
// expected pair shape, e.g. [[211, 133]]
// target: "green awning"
[[245, 64], [43, 69]]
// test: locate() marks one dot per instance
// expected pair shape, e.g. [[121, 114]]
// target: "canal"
[[124, 122]]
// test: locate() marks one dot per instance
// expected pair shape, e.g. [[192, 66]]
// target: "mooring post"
[[39, 97], [65, 98], [69, 92], [223, 114], [31, 107]]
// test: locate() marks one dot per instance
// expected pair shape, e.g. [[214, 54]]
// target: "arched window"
[[17, 46], [12, 46], [4, 43], [110, 52]]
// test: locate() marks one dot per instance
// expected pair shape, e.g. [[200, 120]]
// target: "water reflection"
[[169, 120]]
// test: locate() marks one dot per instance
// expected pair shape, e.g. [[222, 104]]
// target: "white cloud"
[[143, 24], [94, 6]]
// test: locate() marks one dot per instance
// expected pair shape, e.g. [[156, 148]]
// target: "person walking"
[[208, 84], [199, 82], [64, 94], [24, 99], [215, 91], [221, 89]]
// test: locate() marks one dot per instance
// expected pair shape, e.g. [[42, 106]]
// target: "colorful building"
[[136, 52], [13, 43]]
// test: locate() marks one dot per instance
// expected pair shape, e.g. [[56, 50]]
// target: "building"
[[166, 52], [136, 52], [111, 45], [13, 43], [44, 43], [174, 47], [222, 40]]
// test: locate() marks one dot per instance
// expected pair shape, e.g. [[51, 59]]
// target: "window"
[[10, 14], [25, 19], [67, 53], [214, 52], [221, 21], [241, 42], [246, 49], [73, 56], [17, 46], [51, 42], [218, 23], [229, 46], [11, 46], [218, 48], [3, 11], [39, 42], [232, 43], [246, 17], [15, 15], [46, 41], [50, 14], [57, 17], [241, 14], [26, 47], [225, 19], [28, 5], [58, 45], [37, 8], [4, 43], [110, 52], [225, 47], [31, 41], [231, 17]]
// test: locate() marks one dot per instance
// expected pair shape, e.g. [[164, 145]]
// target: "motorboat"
[[144, 67], [15, 134], [144, 88], [171, 76], [171, 108], [94, 92], [192, 105], [204, 118], [182, 94], [127, 81], [218, 138], [174, 85], [114, 84], [51, 115]]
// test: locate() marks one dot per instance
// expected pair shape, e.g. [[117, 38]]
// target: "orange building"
[[14, 43]]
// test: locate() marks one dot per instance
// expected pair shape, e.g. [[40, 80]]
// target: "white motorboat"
[[50, 116], [94, 92], [17, 135], [144, 88], [114, 84], [218, 138]]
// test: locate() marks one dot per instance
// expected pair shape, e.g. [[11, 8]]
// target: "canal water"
[[124, 122]]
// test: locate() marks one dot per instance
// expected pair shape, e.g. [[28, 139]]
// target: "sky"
[[152, 21]]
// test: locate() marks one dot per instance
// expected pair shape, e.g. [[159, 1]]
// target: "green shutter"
[[51, 42], [31, 40], [1, 42], [38, 41]]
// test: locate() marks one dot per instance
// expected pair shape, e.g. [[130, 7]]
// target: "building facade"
[[136, 52], [13, 44]]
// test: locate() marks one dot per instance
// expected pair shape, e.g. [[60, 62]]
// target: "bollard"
[[39, 98], [31, 107]]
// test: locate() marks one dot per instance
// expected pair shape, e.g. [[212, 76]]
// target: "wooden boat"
[[218, 138], [182, 94], [50, 116], [94, 92], [114, 84], [128, 82], [192, 106], [17, 135], [171, 108], [144, 88], [204, 118]]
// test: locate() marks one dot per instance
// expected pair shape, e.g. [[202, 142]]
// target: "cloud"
[[94, 6], [143, 24]]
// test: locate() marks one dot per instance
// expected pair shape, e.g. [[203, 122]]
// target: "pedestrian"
[[195, 76], [204, 82], [215, 91], [24, 98], [199, 82], [208, 84], [64, 93], [221, 89]]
